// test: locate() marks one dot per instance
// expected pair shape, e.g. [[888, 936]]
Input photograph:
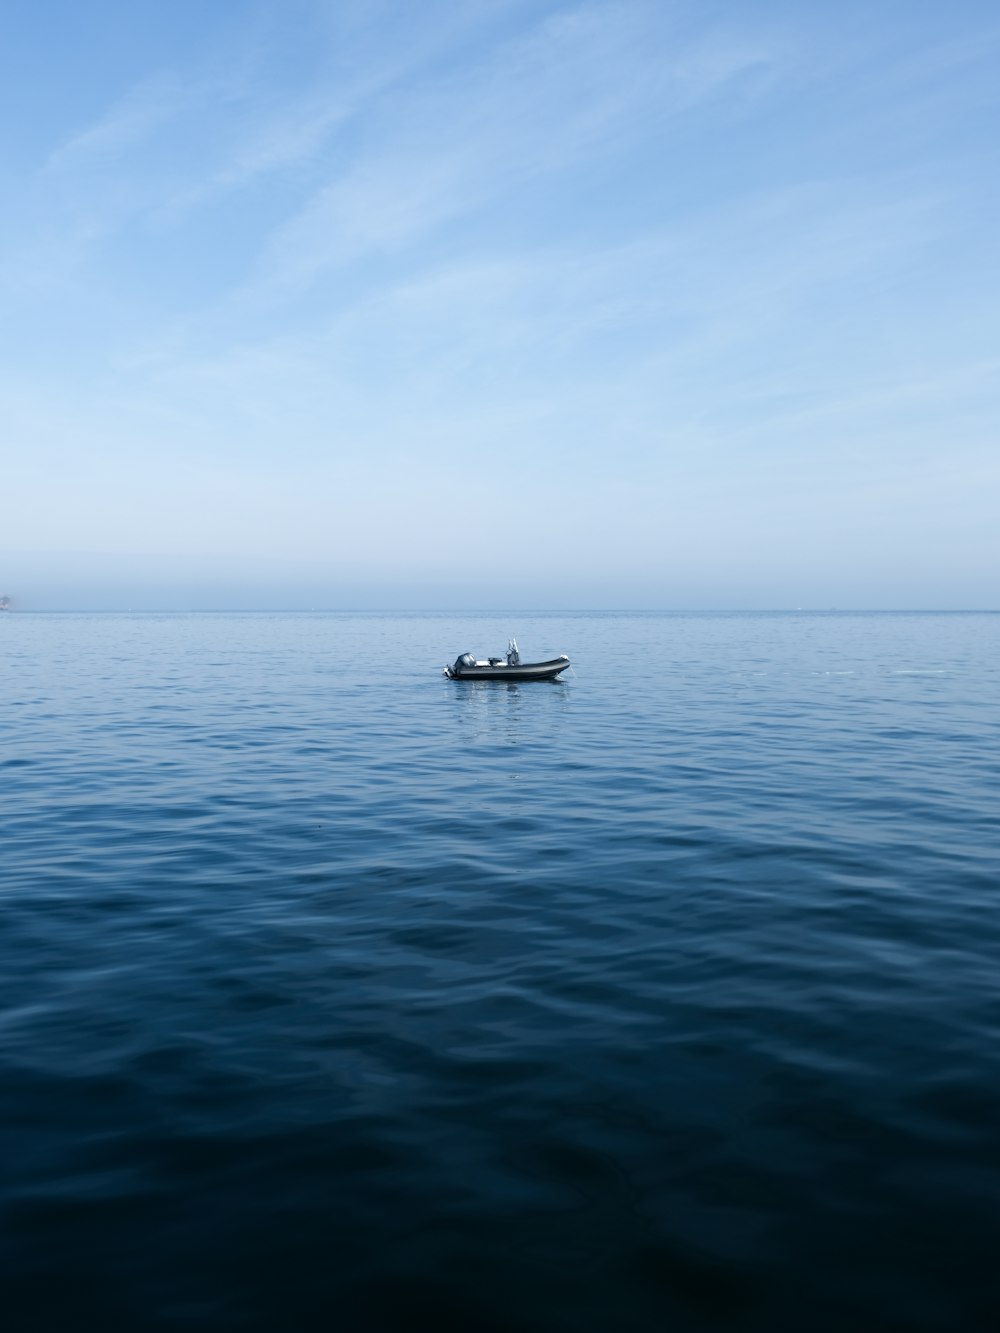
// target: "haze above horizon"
[[500, 303]]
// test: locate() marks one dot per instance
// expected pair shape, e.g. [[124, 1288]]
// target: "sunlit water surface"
[[335, 994]]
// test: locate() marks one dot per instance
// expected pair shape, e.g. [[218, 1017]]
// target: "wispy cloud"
[[582, 84], [711, 324], [128, 123]]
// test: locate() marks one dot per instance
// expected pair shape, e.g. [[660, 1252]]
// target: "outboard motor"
[[466, 660]]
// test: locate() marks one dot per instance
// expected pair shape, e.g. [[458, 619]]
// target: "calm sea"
[[337, 995]]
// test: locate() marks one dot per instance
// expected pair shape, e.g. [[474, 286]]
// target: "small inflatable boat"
[[510, 667]]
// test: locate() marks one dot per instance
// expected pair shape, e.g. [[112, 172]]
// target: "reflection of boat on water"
[[510, 667]]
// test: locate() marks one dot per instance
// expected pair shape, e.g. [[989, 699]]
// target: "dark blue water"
[[337, 995]]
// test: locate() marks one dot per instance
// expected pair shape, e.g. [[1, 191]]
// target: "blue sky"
[[489, 303]]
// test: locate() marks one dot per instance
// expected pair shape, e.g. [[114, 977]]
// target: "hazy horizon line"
[[504, 610]]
